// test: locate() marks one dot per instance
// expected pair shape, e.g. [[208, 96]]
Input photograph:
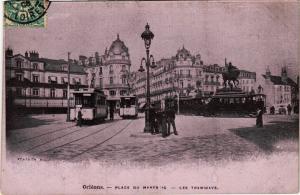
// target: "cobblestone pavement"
[[200, 139]]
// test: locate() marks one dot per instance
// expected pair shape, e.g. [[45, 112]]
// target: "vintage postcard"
[[150, 97]]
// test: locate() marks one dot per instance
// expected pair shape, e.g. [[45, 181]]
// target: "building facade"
[[187, 76], [35, 82], [278, 90], [110, 71]]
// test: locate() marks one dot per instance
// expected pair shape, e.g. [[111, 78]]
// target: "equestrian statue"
[[230, 76]]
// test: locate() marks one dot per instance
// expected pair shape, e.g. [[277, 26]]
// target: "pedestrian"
[[289, 108], [79, 118], [170, 112], [153, 119], [259, 117], [111, 112], [272, 110]]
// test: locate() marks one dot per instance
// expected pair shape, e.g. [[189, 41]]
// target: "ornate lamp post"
[[147, 36]]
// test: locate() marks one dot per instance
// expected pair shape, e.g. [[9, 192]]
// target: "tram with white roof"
[[91, 102], [128, 106]]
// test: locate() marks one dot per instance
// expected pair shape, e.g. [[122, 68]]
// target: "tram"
[[92, 103], [222, 105], [128, 107], [239, 104]]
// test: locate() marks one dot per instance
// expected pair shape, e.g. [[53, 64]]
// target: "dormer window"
[[123, 68], [35, 66], [76, 81], [19, 64], [64, 68], [64, 80], [52, 79]]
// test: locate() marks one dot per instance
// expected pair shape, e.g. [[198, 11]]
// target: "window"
[[19, 64], [52, 79], [77, 81], [19, 91], [35, 66], [100, 71], [112, 93], [111, 69], [122, 92], [101, 83], [111, 80], [35, 78], [181, 84], [189, 72], [64, 80], [212, 78], [19, 77], [52, 93], [200, 72], [124, 79], [206, 78], [65, 93], [123, 68], [35, 92]]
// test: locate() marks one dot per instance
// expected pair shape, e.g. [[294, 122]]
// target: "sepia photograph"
[[150, 97]]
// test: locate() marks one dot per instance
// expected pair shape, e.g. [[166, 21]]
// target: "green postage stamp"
[[28, 13]]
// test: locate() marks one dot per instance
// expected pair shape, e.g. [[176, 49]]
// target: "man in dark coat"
[[259, 117], [170, 112], [79, 118], [152, 119], [289, 108], [111, 112]]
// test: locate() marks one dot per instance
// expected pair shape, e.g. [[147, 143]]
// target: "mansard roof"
[[277, 80]]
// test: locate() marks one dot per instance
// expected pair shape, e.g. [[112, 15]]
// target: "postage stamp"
[[29, 13]]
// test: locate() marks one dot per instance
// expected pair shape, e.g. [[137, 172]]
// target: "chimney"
[[268, 73], [9, 53], [284, 74], [34, 55], [26, 54]]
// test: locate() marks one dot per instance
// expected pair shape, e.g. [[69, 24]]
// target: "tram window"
[[127, 102], [78, 100]]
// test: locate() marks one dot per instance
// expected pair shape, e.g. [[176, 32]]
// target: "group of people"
[[162, 120], [282, 110]]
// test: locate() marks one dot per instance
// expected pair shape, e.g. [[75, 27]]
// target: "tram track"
[[97, 145], [47, 133], [52, 140], [94, 133]]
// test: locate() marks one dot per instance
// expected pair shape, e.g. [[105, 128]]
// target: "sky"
[[252, 35]]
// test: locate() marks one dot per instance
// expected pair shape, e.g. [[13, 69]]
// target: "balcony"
[[109, 86], [183, 76]]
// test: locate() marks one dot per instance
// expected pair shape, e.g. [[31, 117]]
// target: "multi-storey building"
[[278, 89], [247, 81], [187, 76], [178, 75], [111, 71], [32, 81], [212, 76]]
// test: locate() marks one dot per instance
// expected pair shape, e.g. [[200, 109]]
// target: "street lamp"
[[147, 36]]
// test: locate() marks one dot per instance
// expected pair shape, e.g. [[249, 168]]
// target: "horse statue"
[[230, 77]]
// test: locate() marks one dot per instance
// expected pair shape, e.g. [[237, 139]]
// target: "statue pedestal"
[[228, 92], [227, 89]]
